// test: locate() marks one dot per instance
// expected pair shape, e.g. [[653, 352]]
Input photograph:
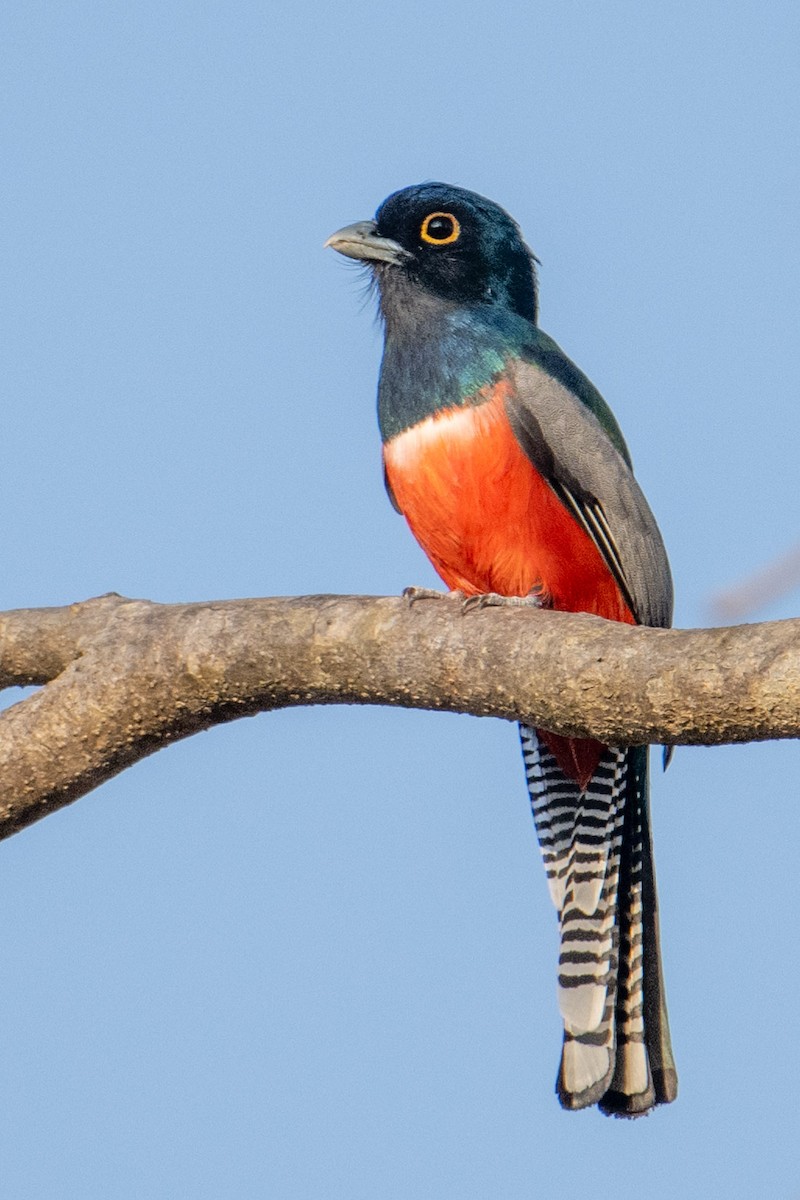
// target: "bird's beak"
[[362, 241]]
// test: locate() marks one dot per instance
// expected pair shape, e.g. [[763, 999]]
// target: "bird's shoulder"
[[539, 355]]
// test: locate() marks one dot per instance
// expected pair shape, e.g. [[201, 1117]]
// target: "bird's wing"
[[570, 435]]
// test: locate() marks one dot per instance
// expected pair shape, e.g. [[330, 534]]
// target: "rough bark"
[[124, 677]]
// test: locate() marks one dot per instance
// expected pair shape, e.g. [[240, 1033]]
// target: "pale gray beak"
[[361, 241]]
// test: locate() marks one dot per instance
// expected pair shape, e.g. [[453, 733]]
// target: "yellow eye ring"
[[450, 228]]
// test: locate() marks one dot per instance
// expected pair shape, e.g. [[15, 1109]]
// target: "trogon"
[[515, 479]]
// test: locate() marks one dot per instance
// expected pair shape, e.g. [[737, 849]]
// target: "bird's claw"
[[495, 600], [474, 603], [412, 594]]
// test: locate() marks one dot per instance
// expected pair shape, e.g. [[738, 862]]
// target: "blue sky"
[[312, 954]]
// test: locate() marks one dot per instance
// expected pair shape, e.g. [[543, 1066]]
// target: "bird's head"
[[444, 242]]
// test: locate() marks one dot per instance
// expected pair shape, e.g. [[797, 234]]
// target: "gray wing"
[[568, 443]]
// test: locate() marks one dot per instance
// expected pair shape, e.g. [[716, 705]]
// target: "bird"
[[514, 477]]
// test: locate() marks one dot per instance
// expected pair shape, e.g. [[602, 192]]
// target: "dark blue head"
[[451, 243]]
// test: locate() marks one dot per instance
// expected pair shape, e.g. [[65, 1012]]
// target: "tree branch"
[[125, 677]]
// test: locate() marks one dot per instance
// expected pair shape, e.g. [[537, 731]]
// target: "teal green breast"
[[449, 363]]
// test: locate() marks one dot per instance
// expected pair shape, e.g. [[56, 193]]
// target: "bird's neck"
[[436, 356]]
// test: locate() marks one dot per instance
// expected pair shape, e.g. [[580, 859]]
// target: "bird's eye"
[[440, 229]]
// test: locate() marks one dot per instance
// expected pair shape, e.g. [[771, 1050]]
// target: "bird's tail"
[[599, 862]]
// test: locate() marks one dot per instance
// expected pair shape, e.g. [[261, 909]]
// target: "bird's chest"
[[486, 518], [470, 495]]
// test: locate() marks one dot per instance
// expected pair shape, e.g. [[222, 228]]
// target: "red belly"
[[487, 519], [489, 522]]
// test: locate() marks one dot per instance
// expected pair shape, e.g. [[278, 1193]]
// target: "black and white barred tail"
[[599, 862]]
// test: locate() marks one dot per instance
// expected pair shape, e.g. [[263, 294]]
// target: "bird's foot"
[[495, 600], [412, 594]]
